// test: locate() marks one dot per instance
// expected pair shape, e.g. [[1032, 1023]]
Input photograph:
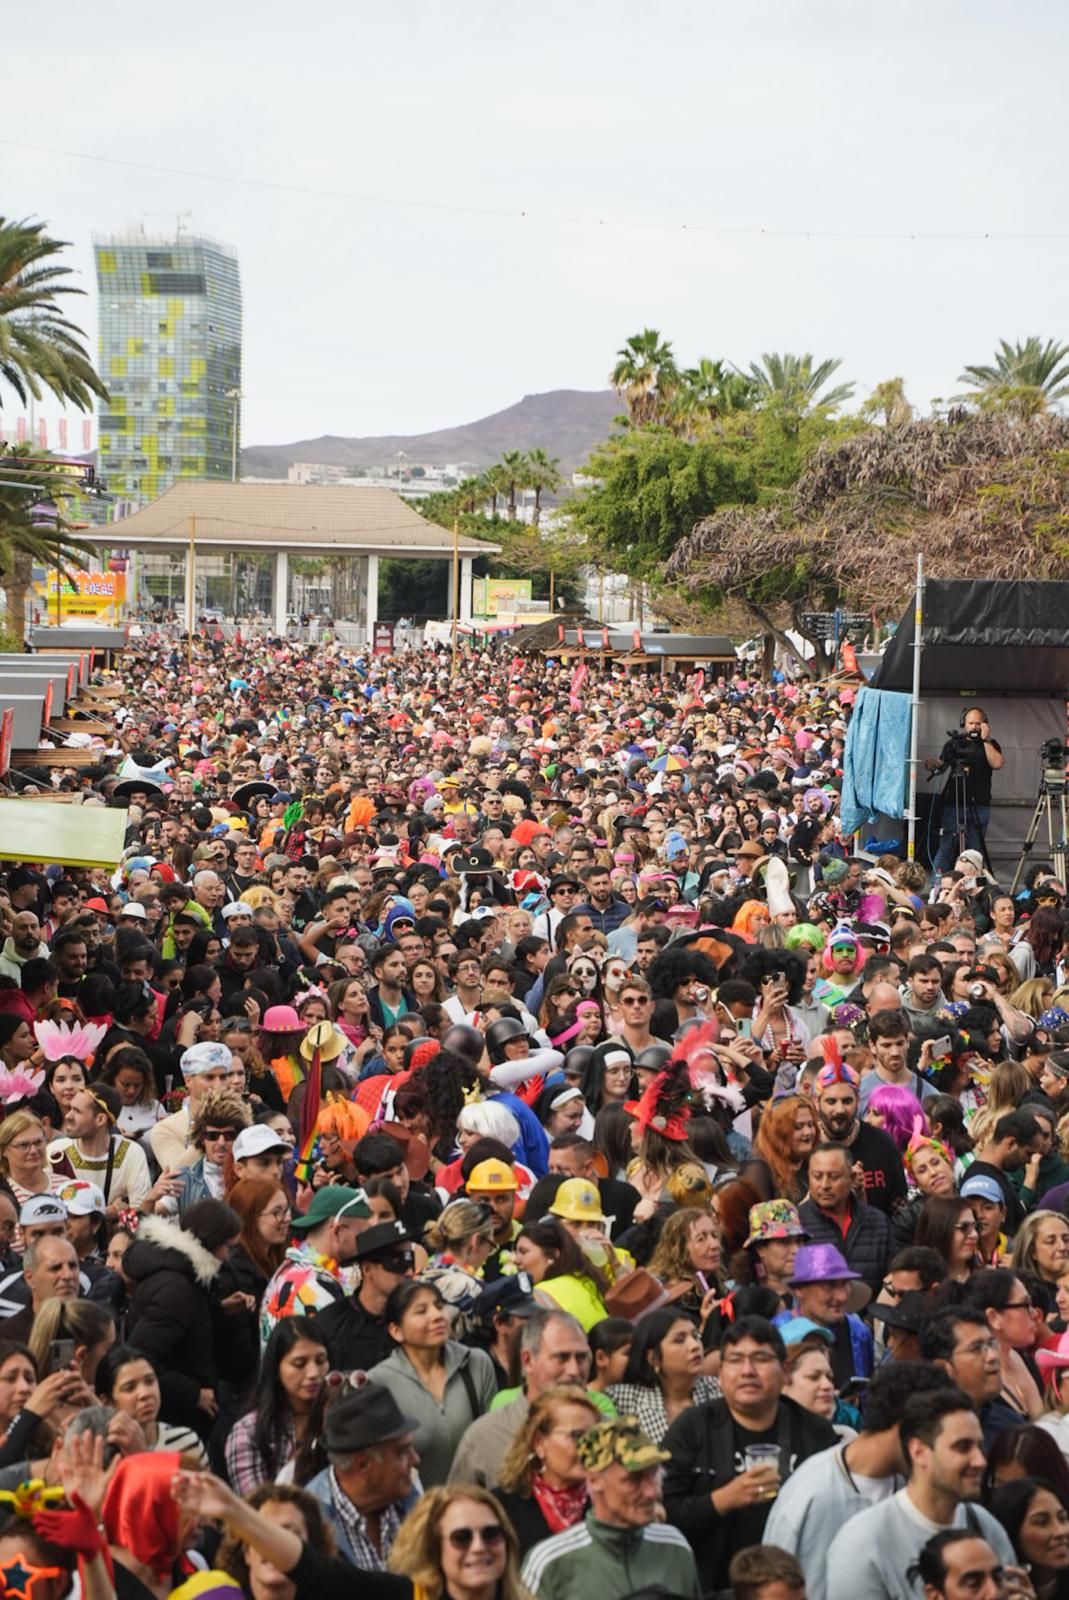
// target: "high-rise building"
[[170, 354]]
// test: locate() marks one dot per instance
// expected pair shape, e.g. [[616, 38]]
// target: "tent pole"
[[914, 732]]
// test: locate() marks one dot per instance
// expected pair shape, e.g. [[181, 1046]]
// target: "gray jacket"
[[482, 1453], [470, 1385]]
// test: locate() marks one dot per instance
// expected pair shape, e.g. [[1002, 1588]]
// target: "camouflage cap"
[[619, 1439]]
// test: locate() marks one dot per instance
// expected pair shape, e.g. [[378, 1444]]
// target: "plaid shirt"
[[635, 1400], [354, 1527], [246, 1468]]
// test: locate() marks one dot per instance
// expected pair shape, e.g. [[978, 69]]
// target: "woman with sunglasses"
[[458, 1545], [1007, 1306], [561, 994], [442, 1385], [217, 1124]]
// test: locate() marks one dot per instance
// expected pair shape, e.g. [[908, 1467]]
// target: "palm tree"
[[514, 469], [39, 348], [495, 487], [712, 390], [793, 383], [646, 377], [470, 494], [1024, 379], [543, 475], [33, 528]]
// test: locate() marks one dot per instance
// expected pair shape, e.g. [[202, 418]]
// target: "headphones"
[[965, 713]]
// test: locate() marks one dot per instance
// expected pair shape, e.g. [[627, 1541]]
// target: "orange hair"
[[773, 1141]]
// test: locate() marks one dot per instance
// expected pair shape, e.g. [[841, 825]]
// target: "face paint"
[[20, 1574]]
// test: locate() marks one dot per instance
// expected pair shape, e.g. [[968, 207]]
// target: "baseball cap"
[[334, 1201], [82, 1199], [491, 1175], [209, 1056], [982, 1187], [619, 1439], [257, 1141], [513, 1296], [41, 1208]]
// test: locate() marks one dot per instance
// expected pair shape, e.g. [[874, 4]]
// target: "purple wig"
[[899, 1111]]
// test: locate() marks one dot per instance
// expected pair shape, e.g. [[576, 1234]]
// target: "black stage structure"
[[1002, 645]]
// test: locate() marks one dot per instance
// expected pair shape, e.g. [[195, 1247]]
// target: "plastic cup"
[[761, 1456]]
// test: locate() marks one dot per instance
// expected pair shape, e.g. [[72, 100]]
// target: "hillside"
[[565, 423]]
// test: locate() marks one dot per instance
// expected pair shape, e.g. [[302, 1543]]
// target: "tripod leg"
[[1058, 853], [1029, 841]]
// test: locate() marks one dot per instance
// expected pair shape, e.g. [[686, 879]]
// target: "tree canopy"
[[39, 347], [977, 493]]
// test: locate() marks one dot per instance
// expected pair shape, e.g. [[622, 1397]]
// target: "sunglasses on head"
[[492, 1533]]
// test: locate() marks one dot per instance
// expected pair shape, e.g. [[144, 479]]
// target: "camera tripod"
[[1051, 791], [966, 821]]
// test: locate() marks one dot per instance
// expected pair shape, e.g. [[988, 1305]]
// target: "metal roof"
[[298, 517]]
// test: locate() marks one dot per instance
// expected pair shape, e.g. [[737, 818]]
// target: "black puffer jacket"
[[868, 1245], [170, 1317]]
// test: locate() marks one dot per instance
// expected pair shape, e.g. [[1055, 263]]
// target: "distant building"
[[170, 354]]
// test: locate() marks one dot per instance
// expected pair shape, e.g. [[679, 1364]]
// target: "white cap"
[[134, 908], [258, 1141], [83, 1199], [207, 1057], [40, 1208], [236, 908]]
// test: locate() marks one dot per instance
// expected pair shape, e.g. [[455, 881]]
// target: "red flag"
[[580, 641], [604, 638], [87, 434], [63, 433], [560, 632], [636, 640], [578, 675]]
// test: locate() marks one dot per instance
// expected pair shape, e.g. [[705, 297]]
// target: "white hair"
[[491, 1121]]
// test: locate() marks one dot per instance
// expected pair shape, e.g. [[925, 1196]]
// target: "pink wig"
[[901, 1112]]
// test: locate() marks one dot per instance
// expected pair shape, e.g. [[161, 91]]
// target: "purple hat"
[[820, 1263]]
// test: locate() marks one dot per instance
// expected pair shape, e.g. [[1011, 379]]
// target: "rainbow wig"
[[843, 936]]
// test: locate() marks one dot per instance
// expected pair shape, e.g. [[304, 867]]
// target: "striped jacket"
[[595, 1559]]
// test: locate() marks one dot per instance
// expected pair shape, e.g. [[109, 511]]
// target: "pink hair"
[[901, 1112], [859, 954]]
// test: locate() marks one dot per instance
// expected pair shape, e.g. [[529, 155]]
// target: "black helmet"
[[577, 1059], [501, 1033], [465, 1041], [653, 1058]]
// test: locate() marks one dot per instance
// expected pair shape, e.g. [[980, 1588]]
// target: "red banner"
[[580, 641], [7, 723], [20, 430], [604, 638], [87, 434], [636, 640], [63, 433], [560, 632], [42, 433], [576, 684]]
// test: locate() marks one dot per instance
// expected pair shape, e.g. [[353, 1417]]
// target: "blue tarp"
[[876, 760]]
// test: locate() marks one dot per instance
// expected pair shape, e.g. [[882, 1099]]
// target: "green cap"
[[334, 1200], [619, 1439]]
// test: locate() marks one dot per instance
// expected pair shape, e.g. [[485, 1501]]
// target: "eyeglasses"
[[229, 1134], [890, 1291], [966, 1227], [279, 1214], [978, 1347], [492, 1534], [762, 1358], [1017, 1305], [29, 1144]]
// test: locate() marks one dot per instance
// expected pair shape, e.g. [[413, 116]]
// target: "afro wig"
[[761, 963]]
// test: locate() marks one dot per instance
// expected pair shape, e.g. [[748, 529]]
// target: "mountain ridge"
[[566, 423]]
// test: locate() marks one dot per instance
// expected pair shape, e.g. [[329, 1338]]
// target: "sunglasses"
[[492, 1535], [229, 1134]]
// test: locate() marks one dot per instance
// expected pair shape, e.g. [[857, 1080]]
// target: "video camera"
[[1053, 755], [961, 745]]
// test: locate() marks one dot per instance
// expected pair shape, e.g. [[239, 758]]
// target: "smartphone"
[[60, 1355], [941, 1047], [746, 1028], [853, 1386]]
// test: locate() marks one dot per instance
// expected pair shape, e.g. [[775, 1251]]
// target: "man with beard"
[[835, 1095]]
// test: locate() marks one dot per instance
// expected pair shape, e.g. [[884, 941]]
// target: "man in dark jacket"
[[834, 1215], [717, 1491]]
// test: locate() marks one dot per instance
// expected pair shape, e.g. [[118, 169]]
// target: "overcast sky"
[[843, 117]]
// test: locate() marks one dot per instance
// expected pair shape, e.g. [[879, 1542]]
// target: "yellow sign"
[[492, 596], [95, 595]]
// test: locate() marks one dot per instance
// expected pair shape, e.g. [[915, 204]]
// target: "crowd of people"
[[492, 1131]]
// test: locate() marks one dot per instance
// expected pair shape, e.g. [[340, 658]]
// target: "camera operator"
[[974, 750]]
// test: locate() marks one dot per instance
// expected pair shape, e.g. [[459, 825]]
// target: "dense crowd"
[[493, 1132]]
